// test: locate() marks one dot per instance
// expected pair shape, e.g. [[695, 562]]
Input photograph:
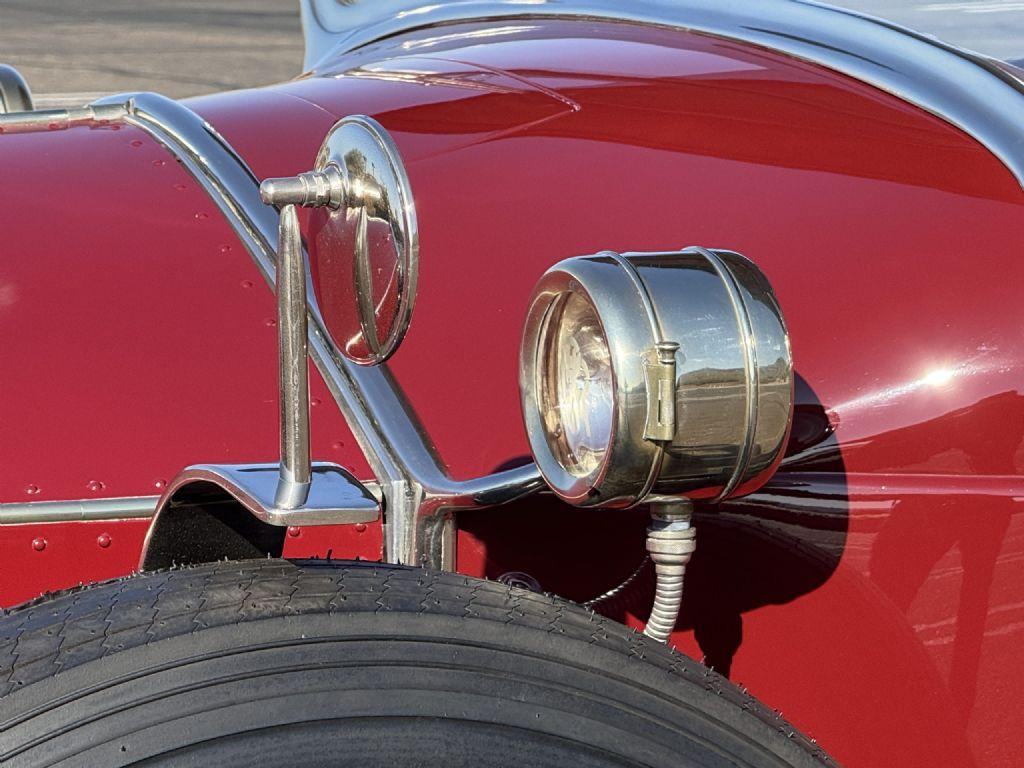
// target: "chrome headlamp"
[[654, 375]]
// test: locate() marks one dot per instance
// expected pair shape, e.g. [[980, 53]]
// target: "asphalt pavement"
[[173, 47]]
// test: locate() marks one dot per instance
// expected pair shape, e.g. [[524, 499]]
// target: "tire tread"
[[59, 631]]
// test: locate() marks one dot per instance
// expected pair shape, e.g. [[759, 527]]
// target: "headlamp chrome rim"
[[613, 311], [544, 317]]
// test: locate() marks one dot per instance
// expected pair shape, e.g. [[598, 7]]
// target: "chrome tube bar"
[[293, 364], [60, 119], [419, 497], [78, 510]]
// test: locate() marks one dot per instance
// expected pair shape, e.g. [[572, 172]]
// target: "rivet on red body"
[[39, 544]]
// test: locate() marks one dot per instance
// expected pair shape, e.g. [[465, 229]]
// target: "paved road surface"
[[188, 47], [179, 48]]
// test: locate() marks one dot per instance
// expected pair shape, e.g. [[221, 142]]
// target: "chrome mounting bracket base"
[[334, 496]]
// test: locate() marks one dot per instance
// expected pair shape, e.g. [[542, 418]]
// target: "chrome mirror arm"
[[313, 189], [293, 365]]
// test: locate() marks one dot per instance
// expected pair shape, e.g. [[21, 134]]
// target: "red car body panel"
[[874, 591]]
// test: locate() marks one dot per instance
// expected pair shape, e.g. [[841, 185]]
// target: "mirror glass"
[[363, 255]]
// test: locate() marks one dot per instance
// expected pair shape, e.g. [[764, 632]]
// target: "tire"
[[338, 663]]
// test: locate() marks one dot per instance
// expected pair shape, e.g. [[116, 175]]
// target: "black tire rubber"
[[338, 663]]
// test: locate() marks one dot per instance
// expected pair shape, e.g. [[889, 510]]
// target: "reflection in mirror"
[[363, 252]]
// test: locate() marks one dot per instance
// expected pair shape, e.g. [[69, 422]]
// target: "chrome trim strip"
[[641, 290], [79, 510], [658, 334], [970, 91], [739, 306], [419, 496]]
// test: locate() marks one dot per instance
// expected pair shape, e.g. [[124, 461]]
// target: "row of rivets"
[[104, 540]]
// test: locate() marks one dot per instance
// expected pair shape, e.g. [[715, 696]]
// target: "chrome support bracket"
[[334, 496]]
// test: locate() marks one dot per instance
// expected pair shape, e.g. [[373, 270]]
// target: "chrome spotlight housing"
[[654, 376]]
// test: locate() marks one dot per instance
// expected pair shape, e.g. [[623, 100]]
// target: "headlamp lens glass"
[[576, 386]]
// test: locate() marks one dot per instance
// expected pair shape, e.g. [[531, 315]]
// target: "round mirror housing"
[[362, 241], [651, 376]]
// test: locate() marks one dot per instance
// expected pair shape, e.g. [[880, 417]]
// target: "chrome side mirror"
[[655, 376], [363, 241], [363, 267]]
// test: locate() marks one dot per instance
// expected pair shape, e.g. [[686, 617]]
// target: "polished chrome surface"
[[293, 365], [965, 89], [60, 119], [335, 497], [79, 510], [15, 95], [751, 372], [368, 245], [419, 497], [364, 244], [732, 386], [311, 189], [659, 363]]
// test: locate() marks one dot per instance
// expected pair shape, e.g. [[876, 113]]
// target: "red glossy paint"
[[872, 591], [54, 556]]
